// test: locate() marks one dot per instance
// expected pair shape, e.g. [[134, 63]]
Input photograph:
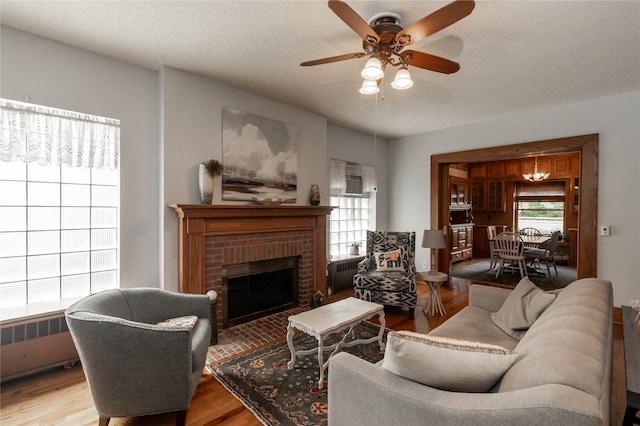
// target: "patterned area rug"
[[277, 396]]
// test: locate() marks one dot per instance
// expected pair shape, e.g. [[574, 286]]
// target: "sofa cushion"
[[474, 324], [388, 261], [521, 308], [444, 363]]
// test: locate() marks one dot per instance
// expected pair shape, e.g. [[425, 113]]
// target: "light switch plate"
[[605, 230]]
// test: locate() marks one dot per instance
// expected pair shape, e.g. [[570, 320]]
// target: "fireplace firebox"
[[255, 289]]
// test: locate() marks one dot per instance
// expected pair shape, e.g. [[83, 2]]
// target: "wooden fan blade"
[[333, 59], [430, 62], [354, 21], [431, 24]]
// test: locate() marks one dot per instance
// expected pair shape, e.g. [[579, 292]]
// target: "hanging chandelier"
[[536, 176]]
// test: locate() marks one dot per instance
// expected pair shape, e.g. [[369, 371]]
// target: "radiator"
[[35, 344], [341, 272]]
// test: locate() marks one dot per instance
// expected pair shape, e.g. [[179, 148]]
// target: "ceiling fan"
[[384, 42]]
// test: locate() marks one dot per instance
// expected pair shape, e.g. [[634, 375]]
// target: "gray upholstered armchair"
[[387, 274], [133, 366]]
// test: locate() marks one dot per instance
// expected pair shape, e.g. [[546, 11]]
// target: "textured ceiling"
[[514, 55]]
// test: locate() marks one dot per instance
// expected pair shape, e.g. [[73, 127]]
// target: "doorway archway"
[[587, 145]]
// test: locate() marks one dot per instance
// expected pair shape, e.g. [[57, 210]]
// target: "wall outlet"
[[425, 266], [605, 230]]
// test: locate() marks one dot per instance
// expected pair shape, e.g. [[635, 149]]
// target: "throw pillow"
[[186, 321], [444, 363], [521, 308], [388, 261]]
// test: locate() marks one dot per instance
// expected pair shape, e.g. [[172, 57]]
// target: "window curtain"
[[548, 188], [369, 179], [52, 136], [337, 175]]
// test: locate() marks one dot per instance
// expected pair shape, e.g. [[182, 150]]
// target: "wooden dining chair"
[[511, 253], [545, 255], [493, 250], [530, 232]]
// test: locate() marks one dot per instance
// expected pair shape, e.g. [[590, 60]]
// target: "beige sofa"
[[561, 374]]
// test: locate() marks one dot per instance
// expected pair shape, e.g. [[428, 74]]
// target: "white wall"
[[192, 116], [57, 75], [46, 72], [615, 118], [349, 145]]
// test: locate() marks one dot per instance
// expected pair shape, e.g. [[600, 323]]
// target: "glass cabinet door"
[[495, 199], [454, 194], [462, 199]]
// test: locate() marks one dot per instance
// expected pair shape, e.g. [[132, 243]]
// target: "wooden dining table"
[[535, 241]]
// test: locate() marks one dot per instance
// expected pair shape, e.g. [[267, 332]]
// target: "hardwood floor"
[[62, 397]]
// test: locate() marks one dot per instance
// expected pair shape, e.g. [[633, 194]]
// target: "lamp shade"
[[372, 69], [402, 80], [433, 239], [369, 87]]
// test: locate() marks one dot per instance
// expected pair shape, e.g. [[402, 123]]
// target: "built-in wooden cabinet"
[[495, 196], [489, 196], [562, 167], [461, 241], [459, 192], [559, 166], [478, 171], [478, 198], [490, 178], [496, 170], [512, 170]]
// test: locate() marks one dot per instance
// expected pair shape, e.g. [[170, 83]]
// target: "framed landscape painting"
[[260, 158]]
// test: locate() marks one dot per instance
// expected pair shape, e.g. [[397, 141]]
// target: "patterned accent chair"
[[392, 280]]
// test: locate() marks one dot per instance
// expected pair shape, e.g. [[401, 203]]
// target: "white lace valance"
[[52, 136]]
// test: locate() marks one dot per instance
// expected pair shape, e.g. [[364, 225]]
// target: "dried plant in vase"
[[208, 170]]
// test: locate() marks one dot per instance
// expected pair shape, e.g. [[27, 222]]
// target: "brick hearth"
[[215, 236], [225, 250]]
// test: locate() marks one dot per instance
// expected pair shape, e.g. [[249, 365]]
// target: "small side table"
[[434, 303]]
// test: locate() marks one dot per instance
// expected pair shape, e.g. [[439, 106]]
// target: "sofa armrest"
[[361, 393], [487, 297]]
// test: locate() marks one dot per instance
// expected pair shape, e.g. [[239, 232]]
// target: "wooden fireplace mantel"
[[197, 221]]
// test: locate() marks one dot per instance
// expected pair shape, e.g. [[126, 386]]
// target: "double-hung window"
[[59, 209]]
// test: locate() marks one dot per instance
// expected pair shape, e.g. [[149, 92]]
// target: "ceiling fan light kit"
[[384, 41]]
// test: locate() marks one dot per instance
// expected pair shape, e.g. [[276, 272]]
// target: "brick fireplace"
[[213, 237]]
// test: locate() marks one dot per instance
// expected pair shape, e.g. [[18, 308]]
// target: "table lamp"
[[433, 239]]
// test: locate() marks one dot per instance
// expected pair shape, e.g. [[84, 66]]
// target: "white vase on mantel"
[[205, 181]]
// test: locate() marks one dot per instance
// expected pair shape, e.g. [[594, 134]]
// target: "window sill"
[[36, 310]]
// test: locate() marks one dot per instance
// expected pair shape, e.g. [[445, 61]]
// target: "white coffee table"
[[332, 318]]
